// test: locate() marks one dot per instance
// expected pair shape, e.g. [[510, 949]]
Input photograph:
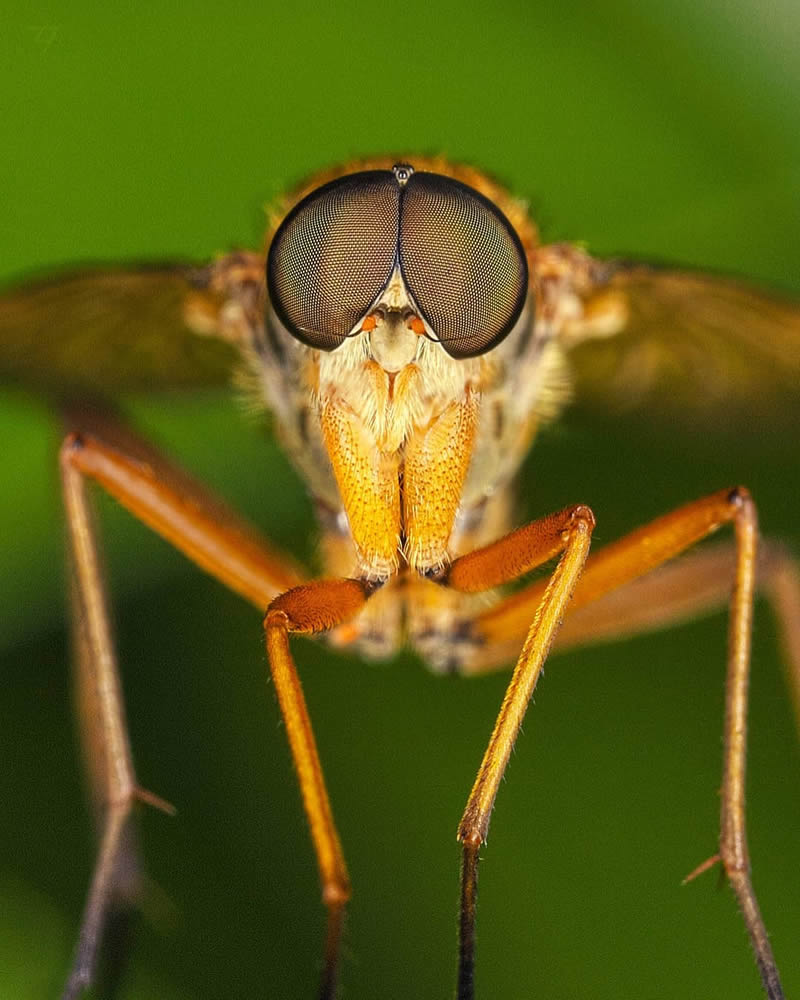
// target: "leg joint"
[[739, 496], [471, 839], [742, 508], [317, 606], [73, 443], [276, 618], [582, 518], [335, 894]]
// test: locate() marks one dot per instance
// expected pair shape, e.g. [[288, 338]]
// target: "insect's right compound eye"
[[333, 255]]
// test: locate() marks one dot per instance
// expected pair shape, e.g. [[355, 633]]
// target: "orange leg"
[[686, 589], [696, 584], [568, 532], [179, 509], [613, 567], [313, 607], [115, 883]]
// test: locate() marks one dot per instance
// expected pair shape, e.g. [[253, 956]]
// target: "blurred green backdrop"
[[149, 131]]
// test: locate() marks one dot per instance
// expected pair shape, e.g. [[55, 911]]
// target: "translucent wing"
[[116, 330], [684, 345]]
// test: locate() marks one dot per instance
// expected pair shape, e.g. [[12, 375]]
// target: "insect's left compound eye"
[[333, 255], [463, 263]]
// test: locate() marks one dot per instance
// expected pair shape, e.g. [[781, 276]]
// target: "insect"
[[410, 336]]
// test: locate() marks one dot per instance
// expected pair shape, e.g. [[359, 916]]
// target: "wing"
[[117, 330], [687, 346]]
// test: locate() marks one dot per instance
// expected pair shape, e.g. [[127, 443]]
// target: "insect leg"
[[683, 590], [568, 532], [166, 499], [115, 882], [314, 607], [181, 510], [687, 588], [637, 554]]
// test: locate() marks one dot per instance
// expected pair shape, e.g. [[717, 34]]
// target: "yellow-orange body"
[[408, 452]]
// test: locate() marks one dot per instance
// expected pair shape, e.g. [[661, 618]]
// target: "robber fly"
[[410, 336]]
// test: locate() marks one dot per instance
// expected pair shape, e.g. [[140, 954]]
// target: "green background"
[[150, 131]]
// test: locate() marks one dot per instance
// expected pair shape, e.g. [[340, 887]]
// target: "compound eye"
[[333, 255], [463, 262]]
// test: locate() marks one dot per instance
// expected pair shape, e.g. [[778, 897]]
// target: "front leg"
[[312, 608], [568, 532]]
